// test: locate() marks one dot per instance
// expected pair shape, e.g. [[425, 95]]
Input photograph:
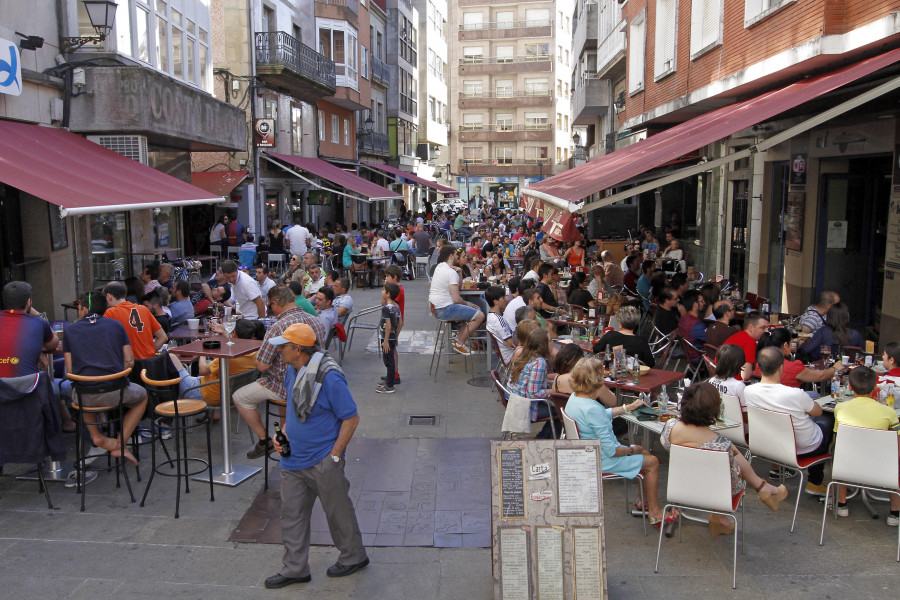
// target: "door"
[[738, 259], [11, 255], [777, 232]]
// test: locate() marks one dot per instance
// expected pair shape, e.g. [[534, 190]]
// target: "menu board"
[[550, 563], [793, 220], [586, 553], [579, 491], [512, 483], [514, 554]]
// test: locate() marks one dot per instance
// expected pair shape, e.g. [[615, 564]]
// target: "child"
[[390, 318], [497, 325], [392, 274]]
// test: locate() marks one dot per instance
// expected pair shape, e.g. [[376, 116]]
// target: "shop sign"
[[10, 68], [264, 133], [557, 223]]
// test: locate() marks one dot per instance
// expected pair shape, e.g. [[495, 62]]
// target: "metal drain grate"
[[427, 420]]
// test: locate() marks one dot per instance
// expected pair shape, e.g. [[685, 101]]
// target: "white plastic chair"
[[864, 458], [772, 437], [700, 479], [571, 429], [734, 412]]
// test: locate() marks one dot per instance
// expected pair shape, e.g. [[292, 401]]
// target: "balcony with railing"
[[342, 10], [590, 99], [374, 143], [493, 2], [501, 30], [505, 166], [506, 132], [585, 33], [381, 73], [611, 38], [528, 63], [506, 99], [283, 62]]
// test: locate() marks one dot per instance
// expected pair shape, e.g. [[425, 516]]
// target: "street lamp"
[[102, 14], [367, 131], [579, 149]]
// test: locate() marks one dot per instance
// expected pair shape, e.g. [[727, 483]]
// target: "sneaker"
[[72, 478], [383, 389], [164, 433], [893, 520], [460, 349], [262, 447], [779, 473], [815, 490], [843, 511], [396, 379]]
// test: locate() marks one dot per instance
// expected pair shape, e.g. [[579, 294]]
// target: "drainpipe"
[[258, 208]]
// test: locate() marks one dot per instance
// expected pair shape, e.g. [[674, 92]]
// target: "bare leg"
[[470, 328], [750, 476], [253, 419], [650, 469]]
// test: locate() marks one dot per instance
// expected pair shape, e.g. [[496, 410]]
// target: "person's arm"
[[342, 310], [385, 344], [260, 306], [813, 375], [348, 426], [127, 357], [747, 371], [457, 299], [815, 411], [159, 339], [52, 343]]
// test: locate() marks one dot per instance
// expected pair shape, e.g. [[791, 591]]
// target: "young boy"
[[390, 319], [393, 274], [863, 411], [497, 325]]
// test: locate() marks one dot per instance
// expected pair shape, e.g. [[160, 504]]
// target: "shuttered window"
[[706, 25], [637, 47], [665, 36]]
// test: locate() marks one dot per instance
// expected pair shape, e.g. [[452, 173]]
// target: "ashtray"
[[211, 344]]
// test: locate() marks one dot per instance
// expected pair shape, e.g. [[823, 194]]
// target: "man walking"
[[320, 421]]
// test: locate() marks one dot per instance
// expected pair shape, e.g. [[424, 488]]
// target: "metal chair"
[[276, 260], [421, 266], [503, 393], [866, 459], [353, 324], [700, 479]]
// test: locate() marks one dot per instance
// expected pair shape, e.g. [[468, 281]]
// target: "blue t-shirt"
[[96, 347], [313, 440], [181, 310], [22, 339]]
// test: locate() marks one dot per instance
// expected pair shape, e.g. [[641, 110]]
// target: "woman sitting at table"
[[728, 377], [295, 271], [795, 372], [549, 251], [574, 256], [496, 267], [629, 318], [594, 422], [349, 250], [578, 294], [530, 377], [523, 330], [699, 410], [836, 332]]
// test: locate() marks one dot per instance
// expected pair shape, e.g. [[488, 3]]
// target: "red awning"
[[557, 223], [442, 189], [338, 176], [82, 177], [219, 183], [574, 185]]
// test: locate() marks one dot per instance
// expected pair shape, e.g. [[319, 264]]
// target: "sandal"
[[768, 498], [638, 509], [669, 518]]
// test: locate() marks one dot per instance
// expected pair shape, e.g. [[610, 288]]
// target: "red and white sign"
[[557, 223]]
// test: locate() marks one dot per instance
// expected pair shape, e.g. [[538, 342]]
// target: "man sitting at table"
[[547, 288], [448, 304], [265, 282], [691, 327], [23, 334], [155, 301], [326, 311], [755, 325], [181, 307], [203, 300], [812, 428], [343, 303], [144, 331], [814, 317], [271, 384], [628, 317], [317, 280], [100, 346], [633, 266], [719, 330], [497, 325], [612, 272], [889, 382], [864, 411], [667, 317]]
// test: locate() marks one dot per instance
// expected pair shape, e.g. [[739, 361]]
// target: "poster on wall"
[[264, 133], [793, 221], [836, 235], [798, 169]]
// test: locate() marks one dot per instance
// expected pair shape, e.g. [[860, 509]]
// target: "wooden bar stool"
[[278, 406], [98, 384], [167, 405]]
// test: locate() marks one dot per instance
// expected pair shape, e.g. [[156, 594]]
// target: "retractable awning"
[[219, 183], [566, 190], [366, 190], [82, 177], [441, 189]]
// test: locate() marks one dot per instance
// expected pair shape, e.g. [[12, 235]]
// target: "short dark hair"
[[753, 318], [16, 295], [729, 360], [526, 284], [647, 265], [344, 283], [394, 271], [94, 302], [777, 337], [566, 358], [892, 349], [153, 270], [862, 381], [721, 310], [678, 280], [296, 287], [250, 329], [229, 266], [513, 284], [494, 293], [184, 287], [544, 269], [446, 253], [392, 289], [327, 292], [264, 268], [667, 293], [116, 289], [770, 360], [700, 405], [689, 298], [530, 293]]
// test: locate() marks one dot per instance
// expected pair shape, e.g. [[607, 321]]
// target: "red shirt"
[[792, 368], [747, 343], [401, 302]]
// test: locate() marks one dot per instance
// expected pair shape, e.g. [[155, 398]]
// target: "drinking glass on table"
[[230, 323], [826, 355]]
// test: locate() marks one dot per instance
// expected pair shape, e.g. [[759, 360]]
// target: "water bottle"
[[663, 397], [835, 385]]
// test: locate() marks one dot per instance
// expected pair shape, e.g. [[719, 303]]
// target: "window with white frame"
[[756, 10], [473, 153], [537, 51], [338, 42], [472, 88], [665, 38], [504, 19], [296, 129], [406, 138], [364, 61], [537, 120], [537, 17], [637, 46], [472, 20], [432, 108], [503, 155], [535, 153], [472, 121], [346, 132], [503, 88], [473, 54], [321, 125], [335, 129], [408, 41], [706, 25], [504, 121], [535, 86], [504, 54]]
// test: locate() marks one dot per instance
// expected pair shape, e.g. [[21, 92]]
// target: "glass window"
[[536, 86], [537, 51], [473, 153], [177, 53], [473, 54], [123, 29], [504, 122], [637, 32], [203, 59], [321, 127], [165, 227], [142, 25], [472, 121], [503, 155], [335, 130], [346, 132], [190, 27], [109, 243], [536, 153], [537, 17], [503, 88], [473, 20], [472, 87], [504, 54], [535, 118], [706, 25], [664, 38], [162, 44], [296, 129], [364, 61], [504, 19], [191, 65]]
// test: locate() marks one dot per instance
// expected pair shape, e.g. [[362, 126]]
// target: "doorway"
[[11, 241], [777, 232], [852, 227]]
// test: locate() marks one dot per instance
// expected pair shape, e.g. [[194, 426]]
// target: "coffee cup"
[[193, 323]]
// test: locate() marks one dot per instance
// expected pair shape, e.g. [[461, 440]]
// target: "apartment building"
[[769, 131], [510, 109], [434, 76]]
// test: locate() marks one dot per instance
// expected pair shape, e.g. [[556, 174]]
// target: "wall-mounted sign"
[[264, 133], [798, 169], [793, 220], [10, 68]]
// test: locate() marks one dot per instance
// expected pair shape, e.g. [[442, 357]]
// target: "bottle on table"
[[835, 385], [282, 440], [636, 372]]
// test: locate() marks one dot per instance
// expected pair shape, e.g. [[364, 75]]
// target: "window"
[[566, 122], [536, 153], [637, 32], [665, 37], [162, 44], [504, 54], [321, 125], [559, 120], [472, 88], [335, 130], [364, 61], [338, 42], [503, 88], [432, 108], [504, 122], [558, 154], [537, 51], [537, 17], [406, 138], [475, 153], [536, 87], [408, 41], [473, 121], [473, 54], [503, 155], [407, 92], [435, 64], [706, 25], [296, 129], [177, 45], [472, 20], [504, 19], [559, 86], [346, 132], [123, 29], [270, 108], [203, 60], [142, 24], [757, 10], [559, 53], [537, 120]]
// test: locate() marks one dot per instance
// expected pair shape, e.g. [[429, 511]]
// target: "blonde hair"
[[536, 346], [586, 376], [524, 328]]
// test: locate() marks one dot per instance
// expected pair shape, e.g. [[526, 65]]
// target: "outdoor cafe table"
[[228, 473]]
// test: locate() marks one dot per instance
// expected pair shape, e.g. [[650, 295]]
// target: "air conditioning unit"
[[132, 146]]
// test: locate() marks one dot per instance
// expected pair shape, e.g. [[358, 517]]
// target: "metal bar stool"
[[444, 332], [167, 405], [98, 384]]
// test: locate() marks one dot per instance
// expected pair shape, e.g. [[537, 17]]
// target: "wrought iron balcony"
[[282, 61], [381, 73], [374, 143]]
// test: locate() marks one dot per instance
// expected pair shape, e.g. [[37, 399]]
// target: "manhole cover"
[[427, 420]]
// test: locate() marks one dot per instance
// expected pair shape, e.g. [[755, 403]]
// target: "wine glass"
[[230, 323]]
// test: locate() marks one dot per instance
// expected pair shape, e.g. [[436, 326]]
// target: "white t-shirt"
[[298, 239], [531, 275], [382, 247], [510, 313], [264, 288], [795, 402], [244, 291], [499, 328], [732, 387], [444, 276], [215, 235]]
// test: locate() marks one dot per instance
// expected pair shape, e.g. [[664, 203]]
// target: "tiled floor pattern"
[[416, 342]]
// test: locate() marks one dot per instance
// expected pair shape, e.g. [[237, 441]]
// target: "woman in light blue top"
[[594, 422]]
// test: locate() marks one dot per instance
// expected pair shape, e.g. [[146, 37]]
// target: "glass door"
[[777, 233]]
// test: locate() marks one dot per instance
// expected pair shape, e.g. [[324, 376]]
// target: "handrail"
[[511, 94], [505, 24], [480, 60], [280, 48], [507, 127]]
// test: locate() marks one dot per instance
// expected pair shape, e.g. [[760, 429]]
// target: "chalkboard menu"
[[512, 484], [59, 238]]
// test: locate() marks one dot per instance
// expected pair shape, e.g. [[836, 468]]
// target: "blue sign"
[[10, 69]]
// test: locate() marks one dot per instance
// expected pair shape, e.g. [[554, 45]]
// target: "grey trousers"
[[299, 490]]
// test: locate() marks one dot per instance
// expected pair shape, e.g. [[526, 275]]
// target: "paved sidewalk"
[[118, 550]]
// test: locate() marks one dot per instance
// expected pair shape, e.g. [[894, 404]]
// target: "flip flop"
[[670, 518]]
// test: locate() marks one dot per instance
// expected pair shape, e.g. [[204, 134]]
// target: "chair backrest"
[[710, 365], [733, 412], [866, 456], [772, 435], [570, 425], [501, 389], [496, 345], [699, 477], [751, 299]]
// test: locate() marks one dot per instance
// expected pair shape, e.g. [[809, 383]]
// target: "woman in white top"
[[729, 361]]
